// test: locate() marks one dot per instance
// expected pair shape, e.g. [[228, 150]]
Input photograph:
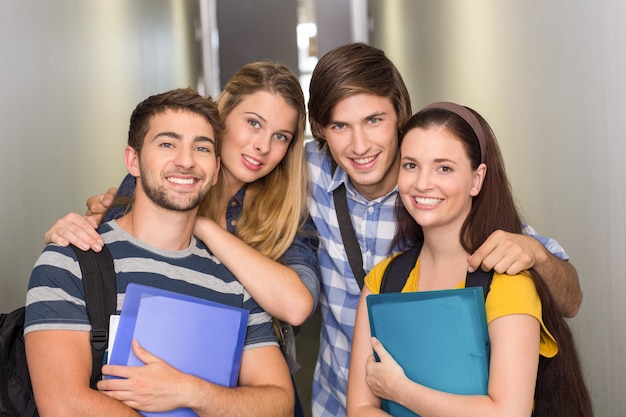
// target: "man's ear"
[[479, 178], [131, 157]]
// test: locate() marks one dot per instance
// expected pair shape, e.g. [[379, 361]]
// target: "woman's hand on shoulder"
[[77, 230]]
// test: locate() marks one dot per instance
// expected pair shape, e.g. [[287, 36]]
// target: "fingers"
[[379, 349], [98, 204], [143, 355], [75, 229], [506, 253]]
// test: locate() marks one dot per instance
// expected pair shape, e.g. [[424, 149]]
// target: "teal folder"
[[196, 336], [439, 338]]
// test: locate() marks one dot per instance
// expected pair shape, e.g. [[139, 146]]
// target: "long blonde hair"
[[274, 207]]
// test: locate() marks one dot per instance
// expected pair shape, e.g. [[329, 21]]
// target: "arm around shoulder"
[[511, 253], [562, 280]]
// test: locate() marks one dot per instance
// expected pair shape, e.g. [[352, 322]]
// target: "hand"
[[507, 253], [76, 229], [154, 387], [98, 204], [382, 377]]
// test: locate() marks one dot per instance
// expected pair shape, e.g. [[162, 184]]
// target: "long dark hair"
[[560, 390]]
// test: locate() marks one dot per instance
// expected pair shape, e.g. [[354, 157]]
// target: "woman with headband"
[[453, 193]]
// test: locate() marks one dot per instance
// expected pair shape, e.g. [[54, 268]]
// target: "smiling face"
[[436, 181], [178, 164], [362, 138], [258, 132]]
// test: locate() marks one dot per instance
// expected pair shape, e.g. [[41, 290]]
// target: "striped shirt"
[[374, 224], [56, 297]]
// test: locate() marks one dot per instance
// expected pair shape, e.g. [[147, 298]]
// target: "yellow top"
[[507, 295]]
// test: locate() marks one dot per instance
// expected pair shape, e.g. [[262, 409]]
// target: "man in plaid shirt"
[[358, 102]]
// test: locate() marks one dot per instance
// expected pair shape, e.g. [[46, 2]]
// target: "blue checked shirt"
[[374, 225]]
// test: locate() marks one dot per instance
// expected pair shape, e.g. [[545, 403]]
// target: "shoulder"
[[318, 159], [514, 294], [54, 257], [375, 276], [517, 294]]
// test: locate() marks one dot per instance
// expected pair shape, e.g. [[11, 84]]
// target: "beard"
[[159, 196]]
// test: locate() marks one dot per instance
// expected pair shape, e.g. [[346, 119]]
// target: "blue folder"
[[439, 338], [196, 336]]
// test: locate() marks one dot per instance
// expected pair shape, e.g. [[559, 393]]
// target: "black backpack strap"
[[100, 299], [479, 278], [346, 228], [398, 270], [348, 235]]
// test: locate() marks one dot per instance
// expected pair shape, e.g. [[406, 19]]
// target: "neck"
[[159, 227], [443, 260], [229, 185]]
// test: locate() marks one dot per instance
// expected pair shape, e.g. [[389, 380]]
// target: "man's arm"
[[264, 389], [59, 362], [510, 253]]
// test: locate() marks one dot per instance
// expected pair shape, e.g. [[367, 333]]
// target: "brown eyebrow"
[[265, 121], [369, 116], [176, 136]]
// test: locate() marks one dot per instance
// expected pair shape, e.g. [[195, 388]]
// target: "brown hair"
[[560, 390], [351, 69], [183, 99]]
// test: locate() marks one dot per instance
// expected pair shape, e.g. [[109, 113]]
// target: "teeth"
[[182, 181], [363, 161], [252, 161], [428, 201]]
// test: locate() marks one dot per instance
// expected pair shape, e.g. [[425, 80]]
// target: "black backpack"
[[16, 393], [400, 267]]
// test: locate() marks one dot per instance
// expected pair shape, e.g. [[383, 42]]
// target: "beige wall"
[[550, 77], [72, 71]]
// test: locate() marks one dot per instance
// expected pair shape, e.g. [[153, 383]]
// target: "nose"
[[360, 142], [423, 180], [184, 157], [262, 144]]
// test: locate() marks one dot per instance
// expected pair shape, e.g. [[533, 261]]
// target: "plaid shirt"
[[374, 225]]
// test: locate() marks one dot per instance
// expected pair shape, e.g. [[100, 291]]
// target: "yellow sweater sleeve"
[[517, 295]]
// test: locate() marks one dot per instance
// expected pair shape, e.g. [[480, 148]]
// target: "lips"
[[251, 160], [182, 181], [251, 163], [428, 201], [363, 161]]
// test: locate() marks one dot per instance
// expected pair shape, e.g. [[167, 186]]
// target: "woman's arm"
[[361, 400], [513, 373], [277, 288], [81, 230], [512, 377]]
